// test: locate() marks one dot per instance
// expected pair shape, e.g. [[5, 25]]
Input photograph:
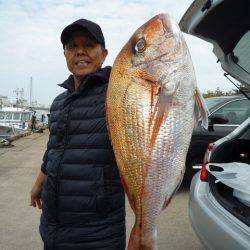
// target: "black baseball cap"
[[83, 24]]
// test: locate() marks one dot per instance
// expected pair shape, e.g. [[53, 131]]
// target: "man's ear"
[[104, 54]]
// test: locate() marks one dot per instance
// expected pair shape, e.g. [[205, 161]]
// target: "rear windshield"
[[242, 52]]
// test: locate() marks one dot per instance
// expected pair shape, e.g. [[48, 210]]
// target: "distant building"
[[22, 103], [4, 101]]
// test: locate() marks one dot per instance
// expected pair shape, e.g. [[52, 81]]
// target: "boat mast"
[[31, 101], [17, 92]]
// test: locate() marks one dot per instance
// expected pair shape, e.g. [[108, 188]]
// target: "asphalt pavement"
[[19, 222]]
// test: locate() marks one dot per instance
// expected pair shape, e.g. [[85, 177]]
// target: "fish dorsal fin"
[[201, 111]]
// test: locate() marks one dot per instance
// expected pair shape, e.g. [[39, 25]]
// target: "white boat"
[[13, 121]]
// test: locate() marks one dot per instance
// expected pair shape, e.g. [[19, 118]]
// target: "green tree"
[[217, 92]]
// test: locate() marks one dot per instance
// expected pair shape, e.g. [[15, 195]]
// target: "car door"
[[236, 111]]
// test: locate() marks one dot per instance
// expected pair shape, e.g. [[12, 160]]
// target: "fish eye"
[[140, 45]]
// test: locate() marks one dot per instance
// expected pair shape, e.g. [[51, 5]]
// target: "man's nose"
[[80, 50]]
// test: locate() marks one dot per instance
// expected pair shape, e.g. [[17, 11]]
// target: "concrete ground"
[[19, 222]]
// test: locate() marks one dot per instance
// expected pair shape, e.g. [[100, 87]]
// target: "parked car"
[[220, 220], [226, 114]]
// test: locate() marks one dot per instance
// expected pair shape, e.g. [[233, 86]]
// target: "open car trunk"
[[237, 150], [225, 24]]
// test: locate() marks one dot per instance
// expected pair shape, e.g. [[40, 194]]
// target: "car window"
[[242, 52], [212, 102], [236, 111]]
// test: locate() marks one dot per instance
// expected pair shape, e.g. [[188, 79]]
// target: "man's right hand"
[[36, 191], [35, 196]]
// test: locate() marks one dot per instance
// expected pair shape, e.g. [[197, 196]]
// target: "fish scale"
[[174, 155], [151, 98]]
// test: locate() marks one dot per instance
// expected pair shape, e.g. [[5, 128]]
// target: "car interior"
[[224, 195], [235, 150]]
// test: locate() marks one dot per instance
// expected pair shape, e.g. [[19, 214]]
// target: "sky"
[[30, 41]]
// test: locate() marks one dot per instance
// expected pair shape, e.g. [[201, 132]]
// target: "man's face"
[[84, 55]]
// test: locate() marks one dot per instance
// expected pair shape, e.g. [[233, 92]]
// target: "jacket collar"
[[99, 77]]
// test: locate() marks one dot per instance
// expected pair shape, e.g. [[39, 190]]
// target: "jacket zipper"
[[59, 173], [60, 162]]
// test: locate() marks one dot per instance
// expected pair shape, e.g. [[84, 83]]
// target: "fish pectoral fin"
[[160, 113], [201, 111]]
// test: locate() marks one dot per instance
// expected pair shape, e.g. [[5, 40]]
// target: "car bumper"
[[214, 225]]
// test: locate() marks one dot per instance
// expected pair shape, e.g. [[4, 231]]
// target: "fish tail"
[[142, 239]]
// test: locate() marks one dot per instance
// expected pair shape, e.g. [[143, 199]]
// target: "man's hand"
[[36, 191], [35, 196]]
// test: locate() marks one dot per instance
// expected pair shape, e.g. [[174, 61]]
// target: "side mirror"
[[216, 119]]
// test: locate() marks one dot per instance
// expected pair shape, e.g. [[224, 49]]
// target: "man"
[[33, 121], [78, 188], [43, 119]]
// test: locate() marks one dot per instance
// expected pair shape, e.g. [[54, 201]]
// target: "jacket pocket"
[[104, 191]]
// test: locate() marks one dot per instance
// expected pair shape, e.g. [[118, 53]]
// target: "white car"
[[220, 218]]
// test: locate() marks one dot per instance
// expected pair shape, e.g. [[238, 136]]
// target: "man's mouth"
[[82, 63]]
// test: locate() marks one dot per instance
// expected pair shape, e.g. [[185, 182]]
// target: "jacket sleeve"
[[45, 157], [43, 166]]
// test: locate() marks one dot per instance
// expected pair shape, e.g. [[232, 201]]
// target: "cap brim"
[[71, 29]]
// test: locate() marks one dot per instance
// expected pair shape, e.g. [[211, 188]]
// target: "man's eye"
[[71, 46], [89, 44], [140, 45]]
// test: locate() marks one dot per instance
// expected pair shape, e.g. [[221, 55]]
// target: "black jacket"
[[83, 200]]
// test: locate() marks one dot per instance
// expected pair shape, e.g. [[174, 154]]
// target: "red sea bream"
[[153, 104]]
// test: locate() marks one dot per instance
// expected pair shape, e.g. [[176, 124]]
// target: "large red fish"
[[152, 106]]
